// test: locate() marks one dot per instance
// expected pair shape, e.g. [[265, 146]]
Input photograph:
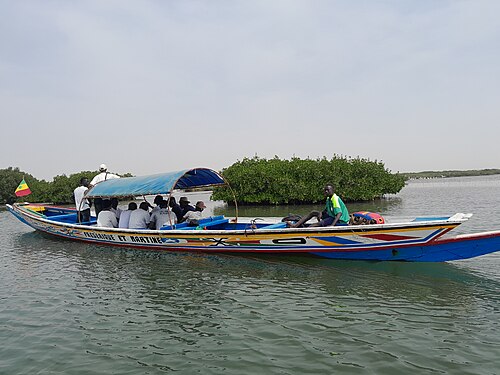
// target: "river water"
[[73, 308]]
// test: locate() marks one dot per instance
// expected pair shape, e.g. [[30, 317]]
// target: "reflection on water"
[[76, 308]]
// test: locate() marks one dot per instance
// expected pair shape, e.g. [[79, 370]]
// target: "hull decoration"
[[412, 241], [418, 240]]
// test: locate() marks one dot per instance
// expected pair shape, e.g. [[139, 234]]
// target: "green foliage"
[[253, 180], [275, 181], [9, 181]]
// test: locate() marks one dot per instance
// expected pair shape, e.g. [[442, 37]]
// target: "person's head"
[[132, 206], [328, 191], [200, 206], [144, 206], [114, 203], [183, 201], [106, 204], [172, 202], [103, 168], [158, 199], [163, 204], [84, 181]]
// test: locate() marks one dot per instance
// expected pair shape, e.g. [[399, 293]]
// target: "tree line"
[[452, 173], [275, 181], [253, 180]]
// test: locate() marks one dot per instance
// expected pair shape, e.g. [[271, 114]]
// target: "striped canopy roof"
[[162, 183]]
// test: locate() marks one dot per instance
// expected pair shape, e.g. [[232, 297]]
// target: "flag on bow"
[[23, 189]]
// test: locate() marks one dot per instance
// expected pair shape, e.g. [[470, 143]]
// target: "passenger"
[[82, 207], [114, 208], [335, 212], [106, 218], [162, 216], [185, 206], [139, 219], [175, 208], [125, 215], [102, 176], [158, 199], [193, 217]]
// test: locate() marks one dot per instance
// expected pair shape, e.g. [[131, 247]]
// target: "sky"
[[152, 86]]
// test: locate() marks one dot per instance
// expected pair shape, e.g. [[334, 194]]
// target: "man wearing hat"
[[102, 176], [193, 217], [185, 206]]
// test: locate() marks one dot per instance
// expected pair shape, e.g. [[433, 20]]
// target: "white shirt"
[[124, 219], [192, 215], [139, 219], [117, 212], [162, 217], [102, 177], [78, 192], [107, 219]]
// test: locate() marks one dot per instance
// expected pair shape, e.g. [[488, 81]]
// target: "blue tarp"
[[162, 183]]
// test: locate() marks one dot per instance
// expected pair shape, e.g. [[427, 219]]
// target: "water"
[[71, 308]]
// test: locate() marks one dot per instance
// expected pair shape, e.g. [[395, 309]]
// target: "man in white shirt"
[[106, 218], [156, 201], [193, 217], [139, 219], [162, 216], [82, 205], [102, 176], [125, 215]]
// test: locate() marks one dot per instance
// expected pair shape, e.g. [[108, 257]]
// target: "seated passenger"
[[139, 219], [115, 209], [175, 208], [157, 201], [335, 212], [185, 206], [106, 218], [125, 215], [162, 217], [193, 217]]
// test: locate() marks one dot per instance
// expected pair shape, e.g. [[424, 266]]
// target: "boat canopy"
[[162, 183]]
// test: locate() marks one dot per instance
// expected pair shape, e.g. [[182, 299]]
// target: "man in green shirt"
[[335, 212]]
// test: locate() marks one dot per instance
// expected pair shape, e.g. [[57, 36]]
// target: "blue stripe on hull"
[[438, 252]]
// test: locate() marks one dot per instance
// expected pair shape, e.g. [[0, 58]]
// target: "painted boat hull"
[[412, 241], [441, 250]]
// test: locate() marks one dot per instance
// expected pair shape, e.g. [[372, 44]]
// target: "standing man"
[[82, 205], [335, 212], [102, 176]]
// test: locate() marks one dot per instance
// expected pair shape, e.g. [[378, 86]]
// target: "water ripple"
[[68, 308]]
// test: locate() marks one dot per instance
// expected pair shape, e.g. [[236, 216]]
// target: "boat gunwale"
[[351, 229]]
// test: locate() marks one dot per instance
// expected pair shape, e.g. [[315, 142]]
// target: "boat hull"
[[441, 250], [405, 242]]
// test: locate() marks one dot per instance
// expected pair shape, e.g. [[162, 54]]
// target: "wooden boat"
[[418, 240]]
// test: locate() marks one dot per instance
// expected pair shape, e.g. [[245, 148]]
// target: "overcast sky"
[[153, 86]]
